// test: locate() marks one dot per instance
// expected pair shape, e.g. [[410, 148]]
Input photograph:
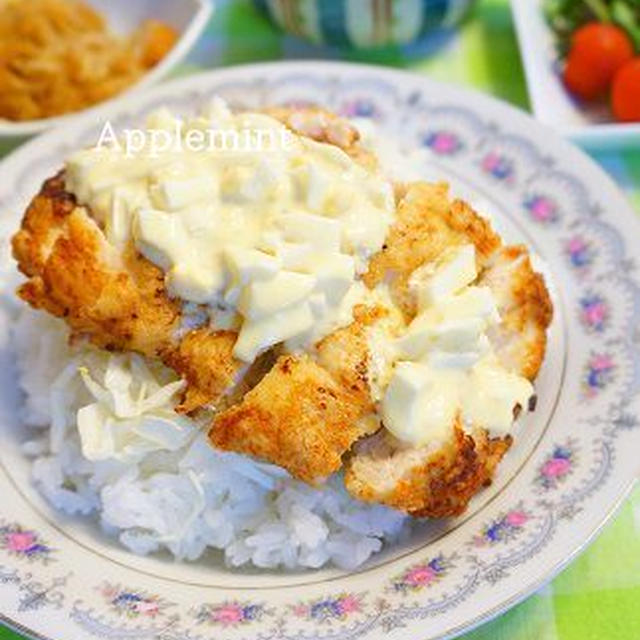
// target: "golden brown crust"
[[452, 483], [323, 126], [203, 358], [40, 224], [298, 417], [525, 307], [64, 253], [305, 414], [436, 484], [345, 353], [427, 222], [118, 301]]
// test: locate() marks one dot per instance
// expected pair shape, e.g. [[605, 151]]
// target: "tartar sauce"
[[277, 237], [443, 364]]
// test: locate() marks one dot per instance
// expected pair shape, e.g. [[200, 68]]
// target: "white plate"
[[573, 462], [187, 17], [552, 104]]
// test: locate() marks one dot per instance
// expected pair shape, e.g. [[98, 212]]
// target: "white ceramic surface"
[[552, 104], [187, 17], [574, 459]]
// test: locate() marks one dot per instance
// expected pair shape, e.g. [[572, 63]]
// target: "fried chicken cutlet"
[[439, 479], [308, 412], [120, 302]]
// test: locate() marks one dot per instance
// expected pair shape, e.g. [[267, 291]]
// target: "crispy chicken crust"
[[119, 302], [424, 481], [199, 353], [427, 223], [305, 414], [439, 480], [308, 413], [520, 340], [298, 416]]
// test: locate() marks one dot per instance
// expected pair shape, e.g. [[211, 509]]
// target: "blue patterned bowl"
[[363, 23]]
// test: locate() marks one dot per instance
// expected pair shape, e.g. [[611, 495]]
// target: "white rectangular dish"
[[550, 101]]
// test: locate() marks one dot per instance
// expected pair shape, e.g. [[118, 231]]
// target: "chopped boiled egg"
[[192, 278], [455, 324], [173, 194], [256, 231], [335, 273], [319, 231], [257, 335], [454, 269], [159, 236], [444, 363], [493, 393], [420, 404], [247, 265], [319, 188], [285, 289]]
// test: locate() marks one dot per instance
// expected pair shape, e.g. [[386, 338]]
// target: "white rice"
[[154, 482]]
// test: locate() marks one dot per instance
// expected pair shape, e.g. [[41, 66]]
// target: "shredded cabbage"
[[132, 414]]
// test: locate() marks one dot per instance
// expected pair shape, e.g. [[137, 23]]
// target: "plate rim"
[[318, 67]]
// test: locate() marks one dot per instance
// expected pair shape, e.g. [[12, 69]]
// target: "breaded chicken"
[[120, 302], [306, 413], [298, 417], [323, 126], [436, 480], [117, 301], [520, 340], [427, 223], [439, 479], [467, 462], [204, 358]]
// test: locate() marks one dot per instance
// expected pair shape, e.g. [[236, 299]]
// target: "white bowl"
[[187, 17], [552, 104]]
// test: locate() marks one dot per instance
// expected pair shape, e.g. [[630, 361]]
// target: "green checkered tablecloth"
[[598, 596]]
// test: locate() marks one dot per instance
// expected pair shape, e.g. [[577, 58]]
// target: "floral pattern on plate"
[[230, 614], [328, 609], [558, 466], [580, 252], [502, 529], [422, 574], [132, 603], [598, 373], [24, 543], [579, 225]]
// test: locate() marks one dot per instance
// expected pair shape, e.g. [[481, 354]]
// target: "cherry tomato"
[[580, 79], [597, 51], [625, 92]]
